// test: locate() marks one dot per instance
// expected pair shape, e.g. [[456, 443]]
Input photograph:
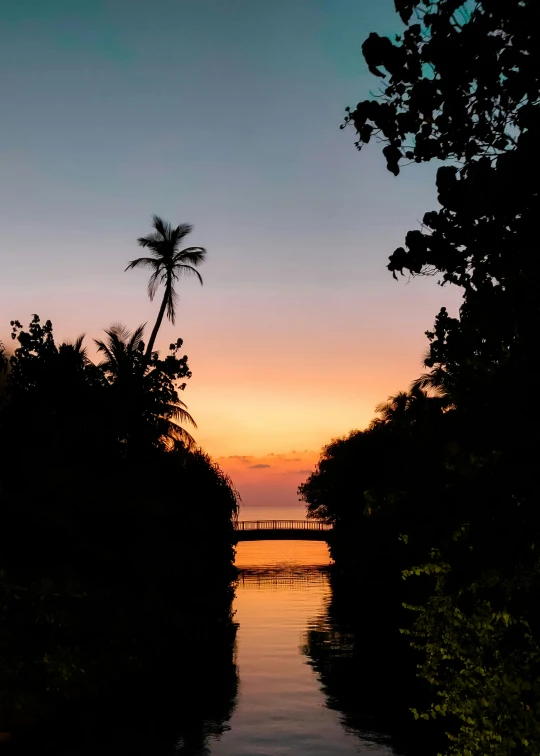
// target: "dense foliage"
[[451, 496], [119, 548]]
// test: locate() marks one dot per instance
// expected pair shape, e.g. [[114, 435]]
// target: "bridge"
[[282, 530]]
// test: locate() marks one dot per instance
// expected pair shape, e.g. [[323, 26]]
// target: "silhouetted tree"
[[122, 354], [4, 366], [3, 358], [461, 84], [167, 263], [145, 394], [378, 485], [111, 559]]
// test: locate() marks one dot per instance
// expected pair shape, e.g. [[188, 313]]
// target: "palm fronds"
[[167, 263]]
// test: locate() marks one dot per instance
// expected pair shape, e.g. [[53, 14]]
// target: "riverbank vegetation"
[[117, 551], [441, 488]]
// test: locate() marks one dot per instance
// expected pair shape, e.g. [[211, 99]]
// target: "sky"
[[224, 114]]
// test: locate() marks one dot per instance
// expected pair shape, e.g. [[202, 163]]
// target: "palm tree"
[[423, 403], [438, 384], [122, 353], [73, 356], [395, 408], [138, 398], [167, 263]]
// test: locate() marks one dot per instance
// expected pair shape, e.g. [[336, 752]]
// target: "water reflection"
[[275, 579], [305, 674], [281, 555], [366, 667], [281, 708], [177, 708], [332, 651]]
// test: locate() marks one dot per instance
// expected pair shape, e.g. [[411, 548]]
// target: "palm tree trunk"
[[161, 313]]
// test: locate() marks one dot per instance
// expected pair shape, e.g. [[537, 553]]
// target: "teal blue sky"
[[225, 114], [222, 113]]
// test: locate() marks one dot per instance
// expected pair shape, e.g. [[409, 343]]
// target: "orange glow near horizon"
[[275, 378], [299, 330], [264, 419], [268, 483]]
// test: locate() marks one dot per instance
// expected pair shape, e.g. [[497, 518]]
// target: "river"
[[306, 673], [283, 706]]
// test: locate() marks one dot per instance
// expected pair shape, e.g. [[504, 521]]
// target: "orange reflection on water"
[[281, 554], [281, 591]]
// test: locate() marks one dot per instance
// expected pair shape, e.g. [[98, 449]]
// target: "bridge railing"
[[282, 525]]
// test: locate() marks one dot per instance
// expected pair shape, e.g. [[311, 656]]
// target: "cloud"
[[258, 467], [283, 457], [304, 472]]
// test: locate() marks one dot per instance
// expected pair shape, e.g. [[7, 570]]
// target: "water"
[[307, 674], [281, 606]]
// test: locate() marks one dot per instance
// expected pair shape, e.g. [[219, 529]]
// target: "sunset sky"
[[224, 114]]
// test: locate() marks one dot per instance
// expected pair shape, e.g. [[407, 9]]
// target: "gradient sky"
[[224, 114]]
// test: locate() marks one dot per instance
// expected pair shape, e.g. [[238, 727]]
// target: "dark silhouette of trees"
[[455, 490], [462, 84], [120, 531], [4, 366], [3, 359], [167, 264], [112, 565], [378, 485], [406, 499], [121, 359], [149, 388]]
